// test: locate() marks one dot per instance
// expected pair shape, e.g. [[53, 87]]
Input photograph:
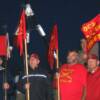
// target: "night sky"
[[68, 14]]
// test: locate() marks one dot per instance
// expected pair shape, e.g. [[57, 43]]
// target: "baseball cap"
[[93, 56]]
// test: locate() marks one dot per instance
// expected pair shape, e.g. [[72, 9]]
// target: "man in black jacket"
[[39, 83]]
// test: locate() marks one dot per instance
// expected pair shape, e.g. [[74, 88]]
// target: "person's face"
[[34, 62], [1, 61], [92, 64], [72, 57]]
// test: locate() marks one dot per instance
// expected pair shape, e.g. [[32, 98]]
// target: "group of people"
[[76, 81]]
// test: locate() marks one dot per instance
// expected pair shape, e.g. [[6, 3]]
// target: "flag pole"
[[26, 70], [26, 67], [5, 65], [5, 79], [57, 66]]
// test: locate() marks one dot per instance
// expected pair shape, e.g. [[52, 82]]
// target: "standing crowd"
[[76, 81]]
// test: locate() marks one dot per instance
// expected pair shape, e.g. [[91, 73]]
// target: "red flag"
[[3, 45], [53, 46], [20, 34], [91, 31]]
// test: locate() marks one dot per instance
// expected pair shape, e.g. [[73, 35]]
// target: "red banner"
[[20, 34], [3, 45], [53, 46], [91, 31]]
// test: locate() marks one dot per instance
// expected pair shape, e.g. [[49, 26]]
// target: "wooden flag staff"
[[58, 76], [26, 71]]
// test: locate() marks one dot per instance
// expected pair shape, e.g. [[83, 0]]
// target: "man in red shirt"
[[73, 77], [93, 80]]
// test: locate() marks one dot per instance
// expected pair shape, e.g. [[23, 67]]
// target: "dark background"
[[68, 14]]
